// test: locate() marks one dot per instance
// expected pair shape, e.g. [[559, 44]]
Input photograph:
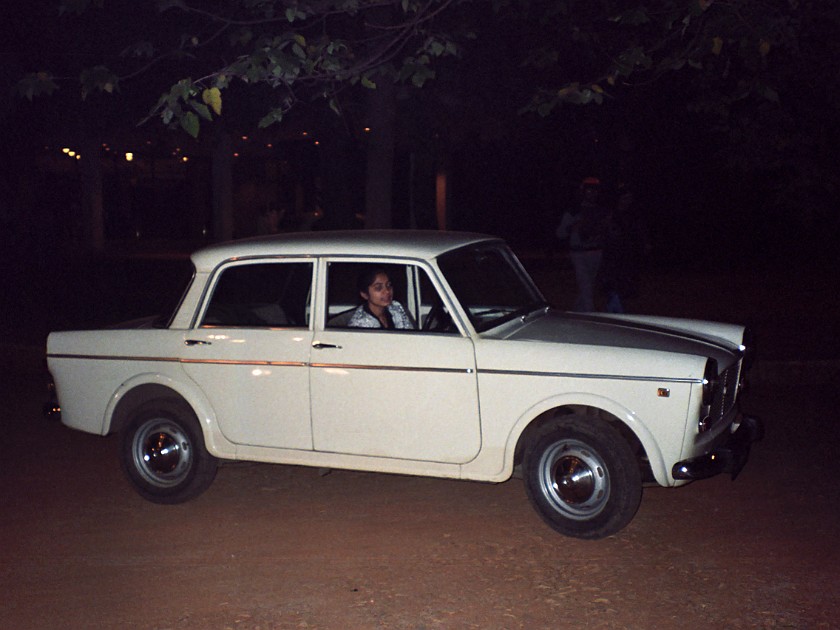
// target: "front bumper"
[[730, 457]]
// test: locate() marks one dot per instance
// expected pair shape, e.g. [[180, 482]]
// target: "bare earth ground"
[[284, 547]]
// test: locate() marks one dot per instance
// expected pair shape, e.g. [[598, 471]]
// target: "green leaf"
[[202, 110], [98, 78], [182, 90], [36, 84], [419, 72], [190, 124], [213, 98], [293, 13], [274, 116], [366, 82]]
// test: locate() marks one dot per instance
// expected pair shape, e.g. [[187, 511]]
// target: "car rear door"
[[249, 351]]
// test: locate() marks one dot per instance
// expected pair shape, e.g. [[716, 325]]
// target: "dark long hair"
[[367, 276]]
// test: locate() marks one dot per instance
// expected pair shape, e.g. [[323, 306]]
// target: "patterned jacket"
[[363, 318]]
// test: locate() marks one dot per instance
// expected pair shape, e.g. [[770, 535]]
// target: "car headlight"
[[748, 349], [710, 385], [710, 382]]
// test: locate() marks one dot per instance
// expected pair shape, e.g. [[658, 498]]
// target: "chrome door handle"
[[196, 342]]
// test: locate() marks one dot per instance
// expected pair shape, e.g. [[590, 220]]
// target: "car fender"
[[214, 441], [586, 399]]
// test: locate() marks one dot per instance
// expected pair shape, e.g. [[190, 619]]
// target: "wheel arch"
[[147, 387], [532, 424]]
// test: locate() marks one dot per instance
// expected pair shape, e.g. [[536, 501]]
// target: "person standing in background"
[[626, 244], [585, 230]]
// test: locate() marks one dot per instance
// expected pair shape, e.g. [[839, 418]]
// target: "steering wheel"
[[437, 319]]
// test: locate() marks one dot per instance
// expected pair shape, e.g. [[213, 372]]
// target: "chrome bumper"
[[730, 457]]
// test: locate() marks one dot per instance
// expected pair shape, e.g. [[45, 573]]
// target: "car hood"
[[694, 337]]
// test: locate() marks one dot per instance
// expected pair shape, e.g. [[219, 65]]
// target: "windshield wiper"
[[539, 308], [491, 311]]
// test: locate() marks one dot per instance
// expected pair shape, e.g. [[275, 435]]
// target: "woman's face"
[[380, 292]]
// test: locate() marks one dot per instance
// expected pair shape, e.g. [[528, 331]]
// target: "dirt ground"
[[286, 547]]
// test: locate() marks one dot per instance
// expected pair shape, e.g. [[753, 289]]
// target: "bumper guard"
[[730, 457]]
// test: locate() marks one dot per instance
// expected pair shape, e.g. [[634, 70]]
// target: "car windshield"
[[490, 284]]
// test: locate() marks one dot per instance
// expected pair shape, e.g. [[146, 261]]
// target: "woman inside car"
[[379, 309]]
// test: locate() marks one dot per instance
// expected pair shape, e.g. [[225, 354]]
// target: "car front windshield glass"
[[490, 284]]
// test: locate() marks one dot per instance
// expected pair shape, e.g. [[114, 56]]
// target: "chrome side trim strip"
[[241, 362], [342, 366], [177, 360], [609, 377], [95, 357], [392, 368]]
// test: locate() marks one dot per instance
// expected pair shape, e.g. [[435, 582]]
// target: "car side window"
[[412, 289], [261, 295], [342, 288]]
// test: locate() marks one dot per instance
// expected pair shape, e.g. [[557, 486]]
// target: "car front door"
[[405, 394]]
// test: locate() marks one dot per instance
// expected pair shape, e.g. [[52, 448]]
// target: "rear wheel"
[[163, 453], [582, 478]]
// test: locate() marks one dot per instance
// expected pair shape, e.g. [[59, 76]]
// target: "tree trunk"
[[222, 176], [443, 195], [380, 154], [93, 228]]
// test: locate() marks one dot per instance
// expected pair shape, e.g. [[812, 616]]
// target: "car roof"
[[425, 244]]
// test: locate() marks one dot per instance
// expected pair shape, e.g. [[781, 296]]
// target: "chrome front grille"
[[727, 392]]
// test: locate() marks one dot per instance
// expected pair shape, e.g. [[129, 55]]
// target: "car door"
[[249, 351], [387, 393]]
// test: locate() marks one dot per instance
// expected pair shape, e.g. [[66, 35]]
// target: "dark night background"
[[755, 192], [743, 221]]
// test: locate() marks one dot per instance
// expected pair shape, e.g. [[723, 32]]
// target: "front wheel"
[[582, 478], [163, 453]]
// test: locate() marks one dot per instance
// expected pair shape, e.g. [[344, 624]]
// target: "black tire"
[[163, 453], [583, 478]]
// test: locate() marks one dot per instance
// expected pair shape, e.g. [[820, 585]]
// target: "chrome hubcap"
[[574, 479], [161, 452]]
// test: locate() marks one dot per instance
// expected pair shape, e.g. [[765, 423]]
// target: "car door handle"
[[321, 346], [197, 342]]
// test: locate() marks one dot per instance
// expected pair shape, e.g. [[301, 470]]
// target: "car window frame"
[[417, 265], [214, 277]]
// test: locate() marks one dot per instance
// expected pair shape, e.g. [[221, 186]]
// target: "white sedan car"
[[259, 362]]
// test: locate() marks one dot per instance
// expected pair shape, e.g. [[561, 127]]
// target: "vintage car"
[[257, 362]]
